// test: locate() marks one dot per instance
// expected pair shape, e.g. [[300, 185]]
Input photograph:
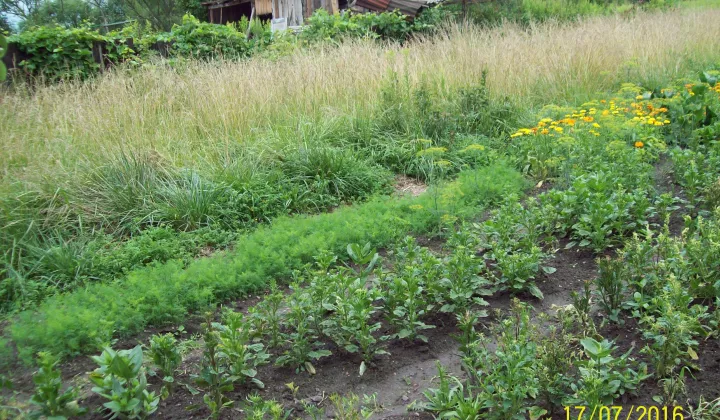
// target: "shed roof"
[[407, 7]]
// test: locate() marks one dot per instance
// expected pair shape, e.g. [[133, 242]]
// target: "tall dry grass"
[[198, 115]]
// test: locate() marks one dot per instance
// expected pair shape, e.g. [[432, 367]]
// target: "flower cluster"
[[591, 119]]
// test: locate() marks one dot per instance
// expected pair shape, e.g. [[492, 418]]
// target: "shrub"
[[58, 53]]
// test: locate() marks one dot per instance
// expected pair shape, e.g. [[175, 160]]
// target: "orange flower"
[[639, 144], [588, 119]]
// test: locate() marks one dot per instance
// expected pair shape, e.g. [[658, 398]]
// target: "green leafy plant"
[[51, 400], [365, 256], [350, 323], [604, 377], [517, 269], [214, 378], [257, 408], [350, 407], [3, 51], [302, 336], [461, 283], [237, 351], [266, 317], [165, 354], [582, 304], [121, 380], [405, 304], [504, 380], [611, 287]]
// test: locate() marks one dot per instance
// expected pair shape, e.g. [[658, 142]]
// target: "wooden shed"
[[294, 11]]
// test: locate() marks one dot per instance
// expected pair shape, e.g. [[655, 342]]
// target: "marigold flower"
[[639, 144]]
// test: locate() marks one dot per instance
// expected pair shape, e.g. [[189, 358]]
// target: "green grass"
[[80, 321]]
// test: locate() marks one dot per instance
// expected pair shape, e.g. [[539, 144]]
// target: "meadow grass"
[[205, 115]]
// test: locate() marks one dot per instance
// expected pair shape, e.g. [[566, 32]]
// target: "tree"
[[162, 14], [20, 8]]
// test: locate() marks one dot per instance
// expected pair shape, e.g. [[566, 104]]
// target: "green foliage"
[[352, 407], [258, 408], [3, 50], [237, 351], [214, 378], [166, 357], [604, 377], [528, 11], [304, 318], [75, 322], [195, 39], [51, 400], [57, 53], [611, 287], [404, 301], [322, 26], [121, 380]]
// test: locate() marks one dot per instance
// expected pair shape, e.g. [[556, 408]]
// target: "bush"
[[58, 53]]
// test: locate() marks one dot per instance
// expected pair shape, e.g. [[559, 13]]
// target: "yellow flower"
[[545, 131], [606, 113], [639, 97], [559, 129], [596, 125], [639, 144], [588, 119], [472, 147], [516, 135], [432, 151]]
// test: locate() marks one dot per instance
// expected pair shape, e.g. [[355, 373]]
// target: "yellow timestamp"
[[618, 412]]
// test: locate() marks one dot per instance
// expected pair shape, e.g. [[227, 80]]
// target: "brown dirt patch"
[[405, 185]]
